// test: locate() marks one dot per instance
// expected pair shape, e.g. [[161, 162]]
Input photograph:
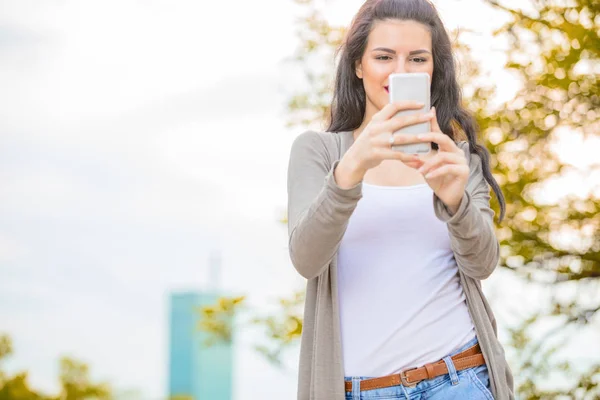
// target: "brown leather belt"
[[469, 358]]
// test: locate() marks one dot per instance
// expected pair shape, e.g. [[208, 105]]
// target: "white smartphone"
[[411, 86]]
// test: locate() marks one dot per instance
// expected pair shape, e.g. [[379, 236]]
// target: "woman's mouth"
[[387, 89]]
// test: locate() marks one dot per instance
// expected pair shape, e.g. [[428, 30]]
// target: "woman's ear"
[[358, 69]]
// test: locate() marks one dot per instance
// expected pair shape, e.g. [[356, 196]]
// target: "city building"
[[197, 371]]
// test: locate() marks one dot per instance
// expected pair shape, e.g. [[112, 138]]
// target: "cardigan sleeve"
[[471, 227], [318, 209]]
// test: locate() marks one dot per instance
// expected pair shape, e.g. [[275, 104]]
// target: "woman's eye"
[[383, 58], [419, 60]]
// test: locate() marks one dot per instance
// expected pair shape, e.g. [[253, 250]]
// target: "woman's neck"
[[362, 126], [368, 115]]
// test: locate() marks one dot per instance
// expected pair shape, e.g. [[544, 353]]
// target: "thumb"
[[435, 127]]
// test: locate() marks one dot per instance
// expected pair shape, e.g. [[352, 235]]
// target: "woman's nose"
[[400, 67]]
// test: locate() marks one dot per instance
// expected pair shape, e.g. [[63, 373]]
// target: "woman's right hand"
[[373, 144]]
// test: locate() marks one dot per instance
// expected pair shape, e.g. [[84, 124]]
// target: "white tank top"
[[400, 298]]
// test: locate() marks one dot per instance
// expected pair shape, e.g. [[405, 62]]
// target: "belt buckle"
[[405, 381]]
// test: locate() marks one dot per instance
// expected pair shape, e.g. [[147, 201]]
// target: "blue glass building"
[[196, 372]]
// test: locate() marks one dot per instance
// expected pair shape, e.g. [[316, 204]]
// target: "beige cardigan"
[[318, 214]]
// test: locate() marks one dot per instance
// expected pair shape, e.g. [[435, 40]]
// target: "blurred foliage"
[[318, 39], [217, 319], [76, 384], [74, 379], [555, 52], [553, 49], [282, 328]]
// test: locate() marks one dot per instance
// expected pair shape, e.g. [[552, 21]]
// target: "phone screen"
[[411, 87]]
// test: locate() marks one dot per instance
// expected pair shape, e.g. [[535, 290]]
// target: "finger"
[[416, 164], [435, 127], [441, 159], [391, 109], [389, 154], [397, 123], [447, 170], [444, 141], [399, 138]]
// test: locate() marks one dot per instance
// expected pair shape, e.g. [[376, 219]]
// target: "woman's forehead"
[[399, 35]]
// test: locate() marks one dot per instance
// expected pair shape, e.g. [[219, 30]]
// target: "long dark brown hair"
[[349, 99]]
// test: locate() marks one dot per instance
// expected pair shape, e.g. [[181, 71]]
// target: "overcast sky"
[[135, 138]]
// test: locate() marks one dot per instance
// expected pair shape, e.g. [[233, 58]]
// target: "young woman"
[[394, 245]]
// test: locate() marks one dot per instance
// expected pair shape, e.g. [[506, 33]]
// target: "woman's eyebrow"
[[412, 53]]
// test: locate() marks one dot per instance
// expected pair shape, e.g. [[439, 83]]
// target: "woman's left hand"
[[447, 172]]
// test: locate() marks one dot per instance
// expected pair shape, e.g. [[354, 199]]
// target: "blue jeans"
[[468, 384]]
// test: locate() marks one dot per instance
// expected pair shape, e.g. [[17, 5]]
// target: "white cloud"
[[10, 249], [112, 56]]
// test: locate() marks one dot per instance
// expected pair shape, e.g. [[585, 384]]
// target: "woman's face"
[[393, 46]]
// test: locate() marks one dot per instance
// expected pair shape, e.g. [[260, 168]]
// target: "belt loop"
[[405, 390], [429, 370], [451, 370], [355, 388]]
